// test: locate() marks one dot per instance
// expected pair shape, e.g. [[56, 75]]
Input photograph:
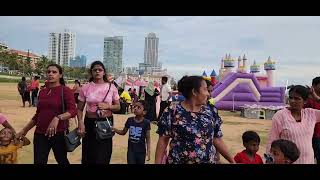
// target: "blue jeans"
[[316, 148]]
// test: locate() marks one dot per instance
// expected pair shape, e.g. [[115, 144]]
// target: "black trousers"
[[42, 146], [25, 96], [163, 106], [95, 151], [34, 95], [316, 148], [136, 157]]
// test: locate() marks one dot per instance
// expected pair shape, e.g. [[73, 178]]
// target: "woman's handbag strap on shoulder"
[[107, 93]]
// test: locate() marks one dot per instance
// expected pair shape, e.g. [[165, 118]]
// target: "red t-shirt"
[[50, 105], [34, 84], [311, 103], [242, 158]]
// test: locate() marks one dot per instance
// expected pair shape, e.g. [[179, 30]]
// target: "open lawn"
[[233, 127]]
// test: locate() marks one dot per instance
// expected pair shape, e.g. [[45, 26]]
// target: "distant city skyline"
[[79, 61], [189, 45]]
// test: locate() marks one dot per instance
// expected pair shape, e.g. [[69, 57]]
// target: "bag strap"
[[62, 100], [107, 93], [63, 105]]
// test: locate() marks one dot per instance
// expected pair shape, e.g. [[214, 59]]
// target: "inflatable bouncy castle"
[[237, 89]]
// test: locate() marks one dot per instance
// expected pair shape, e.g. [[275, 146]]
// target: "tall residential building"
[[62, 47], [112, 55], [151, 50], [78, 61]]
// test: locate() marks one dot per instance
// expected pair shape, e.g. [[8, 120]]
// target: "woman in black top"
[[151, 94]]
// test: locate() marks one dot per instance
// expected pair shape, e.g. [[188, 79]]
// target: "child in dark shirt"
[[139, 135], [251, 141]]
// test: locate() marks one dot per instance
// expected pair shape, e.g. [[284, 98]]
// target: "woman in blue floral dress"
[[192, 126]]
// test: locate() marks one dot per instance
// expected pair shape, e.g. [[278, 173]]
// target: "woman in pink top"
[[34, 90], [296, 124], [100, 95]]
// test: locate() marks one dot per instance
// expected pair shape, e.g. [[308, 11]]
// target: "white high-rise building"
[[151, 50], [62, 47], [112, 55]]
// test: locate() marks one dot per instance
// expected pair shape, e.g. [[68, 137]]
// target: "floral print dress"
[[191, 134]]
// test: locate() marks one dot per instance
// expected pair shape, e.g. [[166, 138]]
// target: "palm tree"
[[26, 65], [42, 65]]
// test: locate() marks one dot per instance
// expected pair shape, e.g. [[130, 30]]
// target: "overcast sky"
[[187, 45]]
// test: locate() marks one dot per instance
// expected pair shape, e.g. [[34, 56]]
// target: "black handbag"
[[103, 130], [72, 139]]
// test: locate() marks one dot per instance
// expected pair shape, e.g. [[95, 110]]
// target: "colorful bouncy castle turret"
[[270, 67], [213, 76], [254, 68], [229, 64], [204, 74], [244, 62]]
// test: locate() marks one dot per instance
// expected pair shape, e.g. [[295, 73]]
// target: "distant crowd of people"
[[189, 132], [27, 88]]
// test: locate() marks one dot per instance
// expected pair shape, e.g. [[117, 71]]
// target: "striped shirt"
[[284, 126]]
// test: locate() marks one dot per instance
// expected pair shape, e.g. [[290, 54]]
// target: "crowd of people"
[[189, 132], [26, 87]]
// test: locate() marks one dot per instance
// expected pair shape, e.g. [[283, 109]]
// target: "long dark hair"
[[99, 63], [62, 82]]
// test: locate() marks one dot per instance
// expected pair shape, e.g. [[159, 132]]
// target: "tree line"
[[22, 66]]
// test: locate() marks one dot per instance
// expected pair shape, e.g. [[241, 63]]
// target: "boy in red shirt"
[[251, 141]]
